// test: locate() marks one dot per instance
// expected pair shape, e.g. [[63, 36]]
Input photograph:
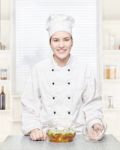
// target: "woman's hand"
[[96, 132], [38, 135]]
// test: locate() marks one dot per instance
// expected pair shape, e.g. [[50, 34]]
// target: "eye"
[[55, 40], [67, 39]]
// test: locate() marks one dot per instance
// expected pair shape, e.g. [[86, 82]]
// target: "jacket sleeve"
[[92, 102], [31, 104]]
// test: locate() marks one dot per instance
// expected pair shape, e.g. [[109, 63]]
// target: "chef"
[[61, 90]]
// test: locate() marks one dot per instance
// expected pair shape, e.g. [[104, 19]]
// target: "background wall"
[[111, 9]]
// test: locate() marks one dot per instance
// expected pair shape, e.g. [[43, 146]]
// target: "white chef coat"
[[67, 94]]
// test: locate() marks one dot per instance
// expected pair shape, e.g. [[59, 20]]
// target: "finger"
[[92, 134], [44, 136], [39, 135], [32, 136], [36, 135], [98, 133], [98, 128]]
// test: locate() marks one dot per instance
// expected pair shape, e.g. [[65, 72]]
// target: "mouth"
[[61, 50]]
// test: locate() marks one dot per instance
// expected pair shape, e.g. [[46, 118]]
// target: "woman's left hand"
[[96, 132]]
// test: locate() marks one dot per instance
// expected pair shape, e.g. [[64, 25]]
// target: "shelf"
[[111, 80], [18, 121], [5, 111], [112, 109], [4, 53], [111, 22], [3, 137], [16, 96], [111, 52], [4, 81]]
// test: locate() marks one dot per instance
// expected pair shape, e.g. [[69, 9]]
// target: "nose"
[[61, 44]]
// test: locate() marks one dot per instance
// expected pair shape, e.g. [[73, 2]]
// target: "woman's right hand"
[[38, 135]]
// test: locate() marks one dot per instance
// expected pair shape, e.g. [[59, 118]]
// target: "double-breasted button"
[[69, 112], [68, 70], [52, 69], [68, 83], [69, 97], [53, 97], [53, 83], [54, 112]]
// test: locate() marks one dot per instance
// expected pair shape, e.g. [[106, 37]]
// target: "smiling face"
[[61, 43]]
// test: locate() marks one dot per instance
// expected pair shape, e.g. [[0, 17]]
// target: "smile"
[[62, 50]]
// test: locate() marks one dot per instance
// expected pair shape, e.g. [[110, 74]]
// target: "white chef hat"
[[59, 22]]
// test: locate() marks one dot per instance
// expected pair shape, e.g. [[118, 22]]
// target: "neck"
[[61, 62]]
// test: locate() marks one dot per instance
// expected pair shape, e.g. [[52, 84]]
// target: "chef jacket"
[[66, 95]]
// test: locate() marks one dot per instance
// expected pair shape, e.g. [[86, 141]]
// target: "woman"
[[61, 89]]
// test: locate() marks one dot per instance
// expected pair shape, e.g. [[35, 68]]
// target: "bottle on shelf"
[[112, 42], [110, 72], [2, 99], [3, 74], [117, 45], [110, 102], [2, 46], [106, 39]]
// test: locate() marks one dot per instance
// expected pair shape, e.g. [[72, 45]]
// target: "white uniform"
[[67, 94]]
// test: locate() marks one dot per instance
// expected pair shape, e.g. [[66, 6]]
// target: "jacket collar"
[[55, 65]]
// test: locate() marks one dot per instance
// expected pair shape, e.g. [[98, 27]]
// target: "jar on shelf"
[[112, 42], [117, 44], [110, 102], [110, 72], [106, 40], [2, 46], [3, 74]]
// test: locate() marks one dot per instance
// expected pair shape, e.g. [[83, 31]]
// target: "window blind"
[[32, 40]]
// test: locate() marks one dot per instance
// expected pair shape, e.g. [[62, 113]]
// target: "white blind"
[[32, 40]]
